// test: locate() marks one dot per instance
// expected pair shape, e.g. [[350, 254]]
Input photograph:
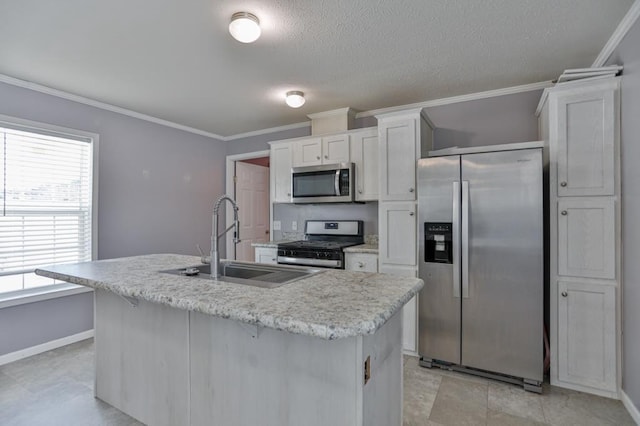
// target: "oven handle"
[[310, 262]]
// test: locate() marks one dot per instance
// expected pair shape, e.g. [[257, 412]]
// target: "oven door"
[[329, 183]]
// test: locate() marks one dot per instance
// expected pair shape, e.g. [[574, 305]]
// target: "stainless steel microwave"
[[328, 183]]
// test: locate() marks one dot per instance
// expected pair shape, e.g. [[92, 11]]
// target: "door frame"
[[230, 191]]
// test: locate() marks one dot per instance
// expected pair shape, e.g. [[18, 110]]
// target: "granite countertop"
[[362, 248], [332, 304], [269, 244]]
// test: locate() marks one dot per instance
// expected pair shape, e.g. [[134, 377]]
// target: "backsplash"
[[299, 213]]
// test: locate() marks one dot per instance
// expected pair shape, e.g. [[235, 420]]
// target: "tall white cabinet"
[[403, 138], [580, 122]]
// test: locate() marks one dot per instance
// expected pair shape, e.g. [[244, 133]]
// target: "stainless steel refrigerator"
[[482, 261]]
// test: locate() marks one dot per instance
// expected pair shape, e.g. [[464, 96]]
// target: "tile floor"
[[55, 388]]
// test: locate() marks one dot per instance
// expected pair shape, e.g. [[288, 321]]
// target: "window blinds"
[[45, 200]]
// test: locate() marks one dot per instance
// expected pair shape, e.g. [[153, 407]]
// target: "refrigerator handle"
[[456, 239], [465, 239]]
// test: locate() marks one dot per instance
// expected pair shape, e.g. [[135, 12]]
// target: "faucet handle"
[[203, 258]]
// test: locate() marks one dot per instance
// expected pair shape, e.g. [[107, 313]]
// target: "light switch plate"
[[277, 225], [294, 226]]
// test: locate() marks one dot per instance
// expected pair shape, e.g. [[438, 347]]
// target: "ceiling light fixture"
[[245, 27], [295, 99]]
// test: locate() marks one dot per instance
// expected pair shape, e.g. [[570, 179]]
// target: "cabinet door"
[[409, 312], [586, 335], [266, 255], [280, 170], [586, 133], [364, 153], [398, 160], [586, 237], [307, 152], [397, 233], [335, 149], [363, 262]]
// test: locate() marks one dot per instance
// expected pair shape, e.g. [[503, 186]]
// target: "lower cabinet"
[[266, 255], [409, 312], [365, 262], [587, 335]]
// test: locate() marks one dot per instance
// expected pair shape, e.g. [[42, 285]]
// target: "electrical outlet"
[[277, 225], [294, 226]]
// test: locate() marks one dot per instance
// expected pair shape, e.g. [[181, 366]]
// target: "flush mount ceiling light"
[[295, 99], [244, 27]]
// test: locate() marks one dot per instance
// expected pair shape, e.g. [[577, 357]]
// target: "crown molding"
[[623, 28], [461, 98], [267, 131], [103, 105]]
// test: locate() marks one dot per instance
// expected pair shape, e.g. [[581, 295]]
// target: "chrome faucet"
[[215, 256]]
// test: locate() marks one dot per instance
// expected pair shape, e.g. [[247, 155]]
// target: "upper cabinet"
[[585, 131], [321, 150], [364, 153], [280, 171], [404, 138]]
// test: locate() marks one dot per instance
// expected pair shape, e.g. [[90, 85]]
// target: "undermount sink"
[[258, 275]]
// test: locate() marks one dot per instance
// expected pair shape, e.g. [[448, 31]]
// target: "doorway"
[[248, 184]]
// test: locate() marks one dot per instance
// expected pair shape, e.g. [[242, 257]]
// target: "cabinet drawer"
[[266, 255], [586, 237], [361, 262]]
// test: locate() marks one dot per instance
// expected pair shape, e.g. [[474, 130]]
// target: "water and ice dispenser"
[[438, 244]]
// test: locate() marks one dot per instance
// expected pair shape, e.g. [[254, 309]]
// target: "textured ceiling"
[[175, 60]]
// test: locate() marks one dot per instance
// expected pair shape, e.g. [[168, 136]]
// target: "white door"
[[409, 312], [335, 149], [398, 140], [587, 334], [252, 196], [586, 132], [586, 237], [280, 167], [398, 233], [364, 153], [307, 152]]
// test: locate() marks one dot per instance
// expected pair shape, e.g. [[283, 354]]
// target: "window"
[[46, 201]]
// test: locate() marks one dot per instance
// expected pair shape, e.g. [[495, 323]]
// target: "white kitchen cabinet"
[[280, 172], [403, 139], [398, 232], [321, 150], [585, 128], [586, 237], [409, 311], [580, 123], [364, 262], [364, 154], [266, 255], [587, 334]]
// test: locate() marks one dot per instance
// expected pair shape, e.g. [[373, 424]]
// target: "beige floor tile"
[[420, 390], [514, 400], [498, 418], [564, 407], [460, 402]]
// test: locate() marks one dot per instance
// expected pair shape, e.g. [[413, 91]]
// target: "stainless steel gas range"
[[323, 245]]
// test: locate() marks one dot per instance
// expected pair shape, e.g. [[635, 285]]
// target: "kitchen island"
[[323, 350]]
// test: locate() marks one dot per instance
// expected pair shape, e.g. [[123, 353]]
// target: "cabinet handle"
[[411, 189], [359, 191], [563, 184], [564, 294], [318, 157], [326, 157], [360, 265], [288, 194], [411, 213], [563, 212]]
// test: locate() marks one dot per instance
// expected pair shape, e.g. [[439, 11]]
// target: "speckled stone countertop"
[[269, 244], [332, 304], [362, 248]]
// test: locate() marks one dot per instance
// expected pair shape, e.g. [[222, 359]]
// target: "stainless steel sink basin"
[[254, 274]]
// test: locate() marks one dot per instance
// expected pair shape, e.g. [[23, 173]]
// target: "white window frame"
[[36, 294]]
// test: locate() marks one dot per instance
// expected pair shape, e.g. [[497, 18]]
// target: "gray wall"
[[628, 54], [157, 186]]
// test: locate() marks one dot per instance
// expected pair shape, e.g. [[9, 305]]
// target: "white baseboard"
[[631, 408], [44, 347]]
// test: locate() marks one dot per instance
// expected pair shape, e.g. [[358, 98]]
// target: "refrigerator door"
[[439, 299], [502, 231]]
